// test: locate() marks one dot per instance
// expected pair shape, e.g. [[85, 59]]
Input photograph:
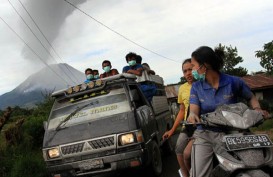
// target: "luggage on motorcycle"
[[239, 152], [234, 116]]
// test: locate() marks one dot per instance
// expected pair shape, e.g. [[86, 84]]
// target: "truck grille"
[[74, 148], [103, 142]]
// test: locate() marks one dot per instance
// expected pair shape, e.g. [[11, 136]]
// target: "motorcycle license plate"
[[91, 164], [247, 141]]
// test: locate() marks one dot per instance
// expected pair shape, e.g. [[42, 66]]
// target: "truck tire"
[[156, 162]]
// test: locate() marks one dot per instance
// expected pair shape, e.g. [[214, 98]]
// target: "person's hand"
[[130, 71], [167, 134], [263, 112], [193, 118]]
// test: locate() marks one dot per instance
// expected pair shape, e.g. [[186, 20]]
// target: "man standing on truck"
[[108, 71], [148, 69], [134, 67], [89, 75], [184, 142], [96, 74]]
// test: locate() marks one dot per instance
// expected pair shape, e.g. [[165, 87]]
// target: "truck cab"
[[105, 126]]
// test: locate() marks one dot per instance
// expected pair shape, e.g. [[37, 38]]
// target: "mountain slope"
[[31, 91]]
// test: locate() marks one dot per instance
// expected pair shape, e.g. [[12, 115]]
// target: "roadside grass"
[[265, 128], [29, 164]]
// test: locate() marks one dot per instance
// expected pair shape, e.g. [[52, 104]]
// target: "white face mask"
[[132, 62], [89, 76], [107, 69]]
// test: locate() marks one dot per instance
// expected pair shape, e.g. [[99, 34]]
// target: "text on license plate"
[[247, 141], [91, 164]]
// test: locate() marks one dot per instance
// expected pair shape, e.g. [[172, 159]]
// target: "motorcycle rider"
[[213, 88], [184, 143]]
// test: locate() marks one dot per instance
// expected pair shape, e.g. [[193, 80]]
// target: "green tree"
[[232, 59], [266, 57], [182, 80]]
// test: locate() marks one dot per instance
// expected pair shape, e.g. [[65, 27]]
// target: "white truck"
[[106, 125]]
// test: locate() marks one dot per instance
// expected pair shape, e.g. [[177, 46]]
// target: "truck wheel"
[[156, 159]]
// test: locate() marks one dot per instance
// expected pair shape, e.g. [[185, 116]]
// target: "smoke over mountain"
[[49, 15]]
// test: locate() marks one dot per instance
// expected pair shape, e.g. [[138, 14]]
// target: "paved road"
[[170, 167]]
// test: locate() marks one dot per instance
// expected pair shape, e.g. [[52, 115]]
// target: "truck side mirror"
[[45, 125]]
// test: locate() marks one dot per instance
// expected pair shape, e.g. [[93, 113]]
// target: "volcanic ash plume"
[[49, 15]]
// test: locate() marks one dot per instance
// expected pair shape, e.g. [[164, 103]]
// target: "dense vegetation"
[[20, 152], [266, 57]]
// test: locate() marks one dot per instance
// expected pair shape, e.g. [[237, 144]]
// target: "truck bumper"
[[110, 163]]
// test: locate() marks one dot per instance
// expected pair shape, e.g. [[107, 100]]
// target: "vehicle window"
[[115, 102], [136, 95]]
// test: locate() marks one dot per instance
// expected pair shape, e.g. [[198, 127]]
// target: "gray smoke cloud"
[[49, 15]]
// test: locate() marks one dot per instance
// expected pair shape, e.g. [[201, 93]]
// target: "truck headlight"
[[132, 137], [127, 139], [53, 153]]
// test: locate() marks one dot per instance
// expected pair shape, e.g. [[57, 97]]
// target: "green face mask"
[[96, 76], [106, 69], [198, 76], [132, 62], [89, 76]]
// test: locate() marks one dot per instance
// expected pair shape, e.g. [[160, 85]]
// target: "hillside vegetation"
[[21, 142]]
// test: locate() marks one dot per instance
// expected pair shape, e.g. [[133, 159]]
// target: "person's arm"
[[194, 112], [253, 101], [137, 72], [256, 106], [194, 105], [178, 119]]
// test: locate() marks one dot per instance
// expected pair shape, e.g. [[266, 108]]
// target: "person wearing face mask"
[[148, 69], [134, 67], [212, 89], [96, 74], [89, 75], [184, 141], [108, 71]]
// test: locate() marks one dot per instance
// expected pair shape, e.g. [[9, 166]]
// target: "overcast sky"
[[173, 29]]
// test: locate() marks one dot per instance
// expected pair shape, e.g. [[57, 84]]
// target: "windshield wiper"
[[63, 122]]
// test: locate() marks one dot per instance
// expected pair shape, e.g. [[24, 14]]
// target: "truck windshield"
[[99, 107]]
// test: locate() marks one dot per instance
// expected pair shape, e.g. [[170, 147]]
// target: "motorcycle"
[[239, 152]]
